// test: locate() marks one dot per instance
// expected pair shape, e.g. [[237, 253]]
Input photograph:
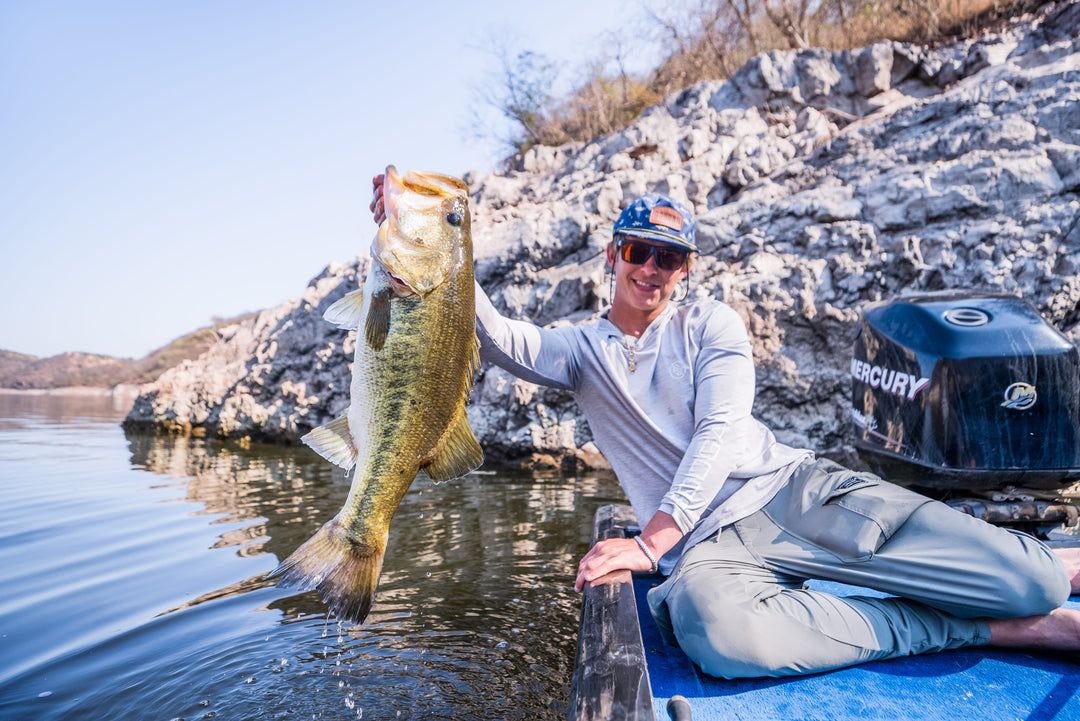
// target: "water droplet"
[[501, 644], [249, 679], [43, 694], [429, 574]]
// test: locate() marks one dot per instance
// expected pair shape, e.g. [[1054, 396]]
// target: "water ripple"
[[135, 585]]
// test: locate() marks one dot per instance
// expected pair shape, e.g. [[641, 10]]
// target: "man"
[[738, 520]]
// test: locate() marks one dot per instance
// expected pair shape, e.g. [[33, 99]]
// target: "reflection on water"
[[71, 405], [155, 603]]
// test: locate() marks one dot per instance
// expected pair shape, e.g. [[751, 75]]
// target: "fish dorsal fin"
[[333, 442], [378, 319], [347, 312], [460, 453]]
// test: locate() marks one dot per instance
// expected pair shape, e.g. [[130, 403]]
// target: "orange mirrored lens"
[[637, 253]]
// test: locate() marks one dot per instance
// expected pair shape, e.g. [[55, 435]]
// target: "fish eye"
[[453, 218]]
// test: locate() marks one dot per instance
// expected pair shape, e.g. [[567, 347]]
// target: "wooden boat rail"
[[611, 678]]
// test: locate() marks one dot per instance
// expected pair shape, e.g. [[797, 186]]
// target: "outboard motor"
[[957, 394]]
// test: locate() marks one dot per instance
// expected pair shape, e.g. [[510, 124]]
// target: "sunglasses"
[[638, 253]]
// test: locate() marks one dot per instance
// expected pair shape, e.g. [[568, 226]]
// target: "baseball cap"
[[658, 217]]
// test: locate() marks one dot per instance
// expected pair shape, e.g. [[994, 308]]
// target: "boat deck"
[[625, 671]]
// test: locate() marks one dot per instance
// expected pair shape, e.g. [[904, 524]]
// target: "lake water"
[[133, 566]]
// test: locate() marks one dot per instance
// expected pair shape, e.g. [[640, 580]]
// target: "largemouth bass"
[[416, 356]]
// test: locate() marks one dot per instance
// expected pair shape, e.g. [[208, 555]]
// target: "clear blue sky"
[[164, 162]]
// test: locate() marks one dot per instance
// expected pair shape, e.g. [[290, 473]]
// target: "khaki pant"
[[736, 605]]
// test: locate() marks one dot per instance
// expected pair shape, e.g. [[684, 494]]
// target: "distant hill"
[[67, 369], [26, 372]]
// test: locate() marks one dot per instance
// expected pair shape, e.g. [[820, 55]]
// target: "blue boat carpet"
[[976, 684]]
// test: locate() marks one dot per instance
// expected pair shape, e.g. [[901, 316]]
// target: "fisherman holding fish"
[[736, 520]]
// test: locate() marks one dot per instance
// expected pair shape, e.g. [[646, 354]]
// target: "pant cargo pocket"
[[847, 513]]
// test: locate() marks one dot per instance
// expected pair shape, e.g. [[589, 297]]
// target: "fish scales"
[[416, 357], [389, 379]]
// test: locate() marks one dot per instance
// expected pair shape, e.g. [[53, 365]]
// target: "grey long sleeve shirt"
[[671, 410]]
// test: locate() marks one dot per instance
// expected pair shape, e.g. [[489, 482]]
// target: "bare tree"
[[790, 18], [526, 92], [931, 13], [520, 94], [748, 22], [709, 41]]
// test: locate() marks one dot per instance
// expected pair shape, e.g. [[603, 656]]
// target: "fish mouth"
[[399, 285]]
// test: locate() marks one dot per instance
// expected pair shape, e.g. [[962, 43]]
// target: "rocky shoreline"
[[822, 180]]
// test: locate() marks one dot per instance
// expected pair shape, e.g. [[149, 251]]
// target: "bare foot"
[[1070, 556], [1058, 630]]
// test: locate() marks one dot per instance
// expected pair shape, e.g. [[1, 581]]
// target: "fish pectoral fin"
[[347, 312], [333, 442], [460, 453], [378, 319]]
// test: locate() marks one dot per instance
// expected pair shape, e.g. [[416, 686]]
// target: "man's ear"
[[611, 254]]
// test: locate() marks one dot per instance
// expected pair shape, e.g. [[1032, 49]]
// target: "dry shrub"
[[711, 39]]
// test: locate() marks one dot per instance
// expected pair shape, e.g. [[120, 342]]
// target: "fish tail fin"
[[343, 571]]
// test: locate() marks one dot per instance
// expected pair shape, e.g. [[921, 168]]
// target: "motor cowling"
[[967, 392]]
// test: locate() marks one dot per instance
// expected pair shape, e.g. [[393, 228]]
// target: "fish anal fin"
[[347, 312], [378, 320], [344, 572], [458, 454], [333, 442]]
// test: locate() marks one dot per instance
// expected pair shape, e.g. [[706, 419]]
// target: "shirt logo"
[[1020, 397], [677, 370]]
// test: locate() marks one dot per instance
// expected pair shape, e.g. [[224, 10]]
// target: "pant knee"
[[1034, 585], [727, 639], [1028, 596]]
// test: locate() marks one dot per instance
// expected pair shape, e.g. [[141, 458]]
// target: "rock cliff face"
[[822, 180]]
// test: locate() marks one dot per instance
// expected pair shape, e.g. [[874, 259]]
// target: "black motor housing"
[[966, 392]]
